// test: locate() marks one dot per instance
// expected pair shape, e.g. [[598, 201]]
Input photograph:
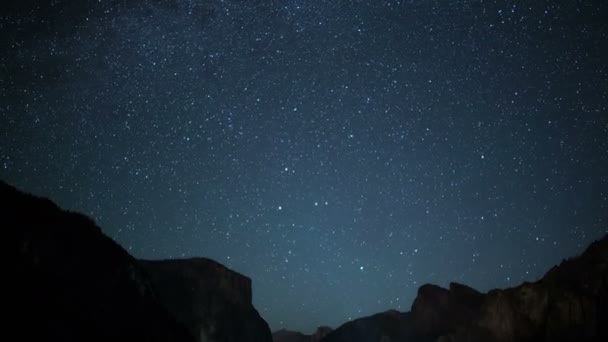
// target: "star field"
[[339, 153]]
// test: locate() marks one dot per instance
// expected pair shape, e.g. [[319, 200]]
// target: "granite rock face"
[[213, 301], [437, 311]]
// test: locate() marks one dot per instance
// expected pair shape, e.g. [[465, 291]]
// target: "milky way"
[[339, 153]]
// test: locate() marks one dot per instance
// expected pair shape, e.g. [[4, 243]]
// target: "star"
[[180, 133]]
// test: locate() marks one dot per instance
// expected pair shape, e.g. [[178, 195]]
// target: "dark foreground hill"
[[570, 303], [67, 281]]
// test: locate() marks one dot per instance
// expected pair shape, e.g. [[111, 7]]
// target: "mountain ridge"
[[72, 282], [569, 303]]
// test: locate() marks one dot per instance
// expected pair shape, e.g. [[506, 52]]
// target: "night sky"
[[339, 153]]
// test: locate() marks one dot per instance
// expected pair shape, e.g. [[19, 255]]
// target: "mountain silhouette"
[[67, 281], [570, 303]]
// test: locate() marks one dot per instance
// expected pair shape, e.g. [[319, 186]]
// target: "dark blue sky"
[[339, 153]]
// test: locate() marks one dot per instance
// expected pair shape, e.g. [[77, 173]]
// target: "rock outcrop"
[[437, 311], [213, 301], [67, 281]]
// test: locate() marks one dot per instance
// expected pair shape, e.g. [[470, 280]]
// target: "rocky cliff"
[[213, 301], [437, 311], [67, 281]]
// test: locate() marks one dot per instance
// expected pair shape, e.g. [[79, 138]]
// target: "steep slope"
[[66, 281]]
